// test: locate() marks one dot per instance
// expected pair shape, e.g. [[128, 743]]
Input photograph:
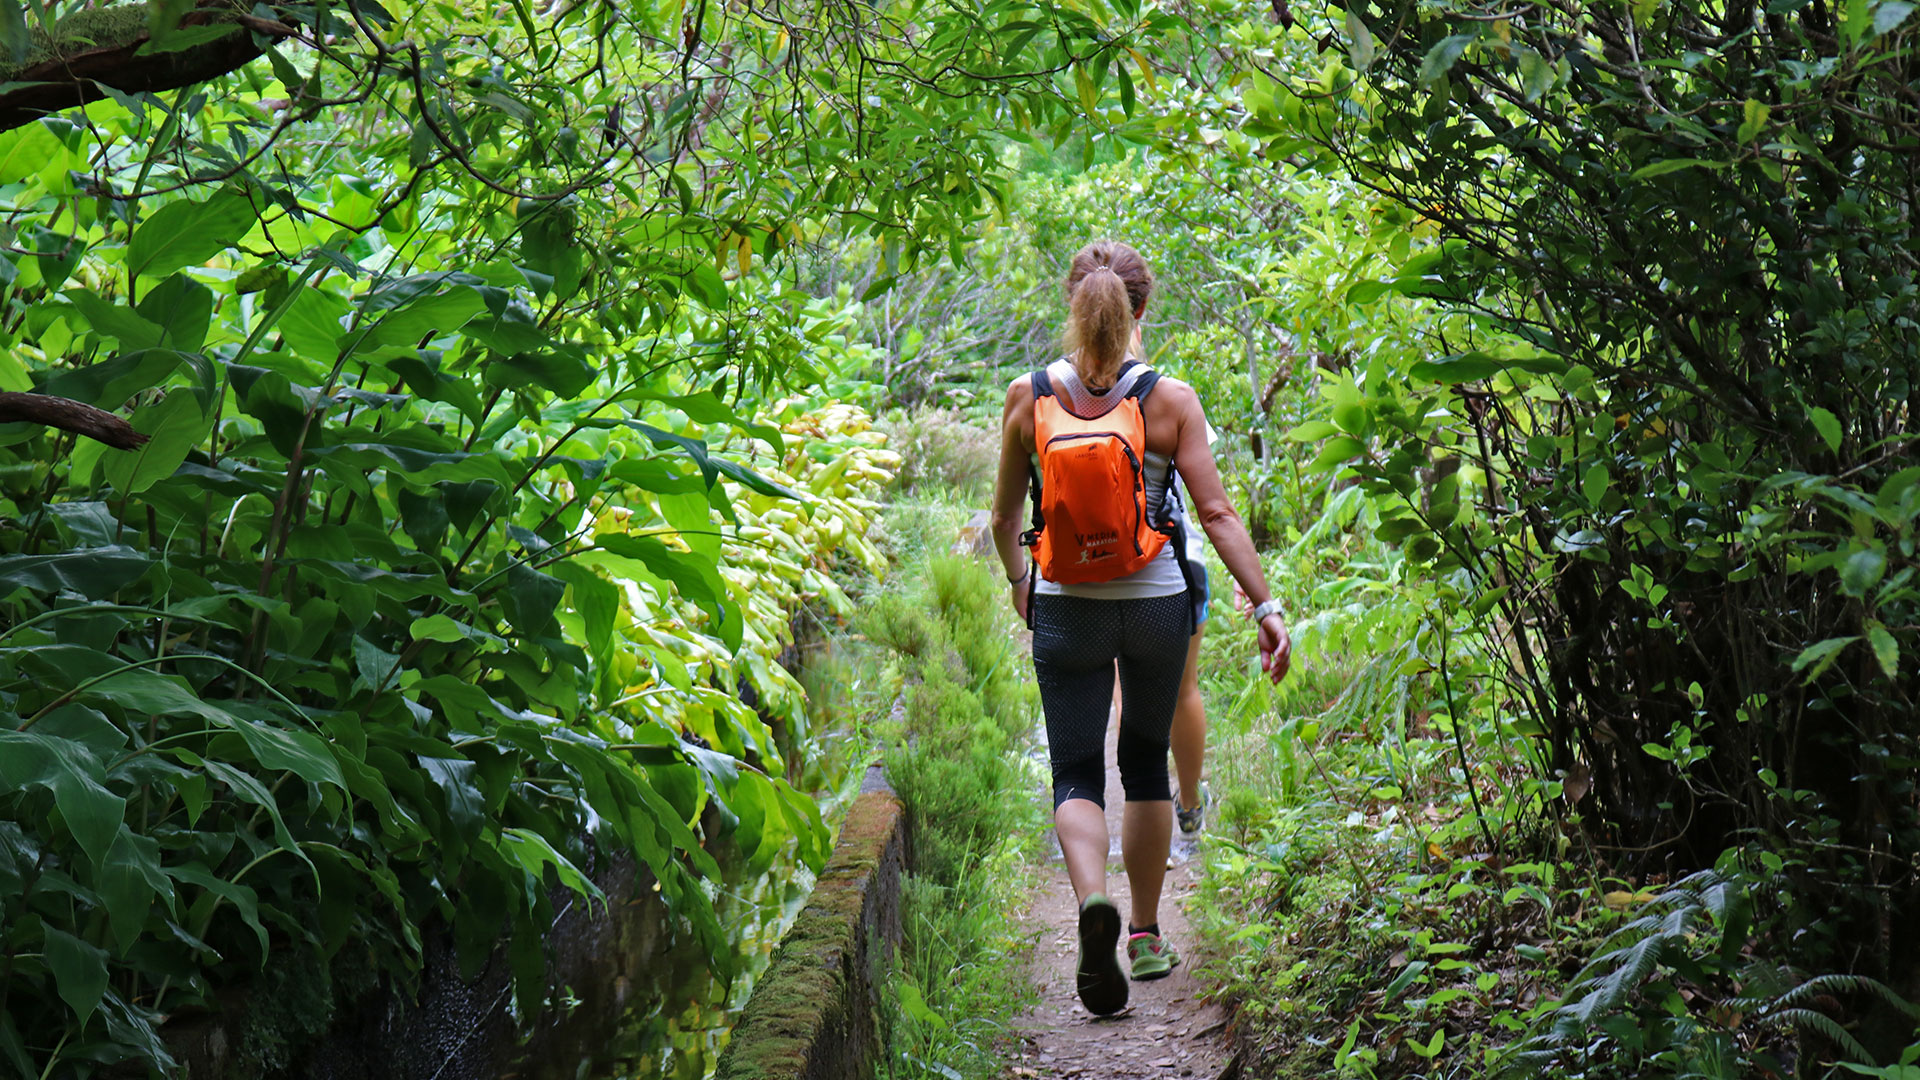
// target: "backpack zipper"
[[1139, 493]]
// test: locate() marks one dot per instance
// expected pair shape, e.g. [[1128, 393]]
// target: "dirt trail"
[[1164, 1031]]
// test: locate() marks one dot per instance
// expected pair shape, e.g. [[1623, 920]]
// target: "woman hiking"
[[1095, 437]]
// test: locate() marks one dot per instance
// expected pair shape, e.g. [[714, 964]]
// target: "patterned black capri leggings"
[[1075, 643]]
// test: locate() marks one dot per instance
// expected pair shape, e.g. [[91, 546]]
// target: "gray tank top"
[[1160, 577]]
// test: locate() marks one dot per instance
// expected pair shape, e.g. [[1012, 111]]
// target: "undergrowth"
[[956, 752], [1396, 887]]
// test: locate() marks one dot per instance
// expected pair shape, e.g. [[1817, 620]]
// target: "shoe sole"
[[1102, 985]]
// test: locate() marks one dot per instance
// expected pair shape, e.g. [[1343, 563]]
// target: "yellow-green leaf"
[[437, 628], [1754, 115], [188, 233], [1885, 649], [1827, 425]]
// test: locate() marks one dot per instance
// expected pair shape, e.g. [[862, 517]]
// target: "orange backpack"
[[1090, 518]]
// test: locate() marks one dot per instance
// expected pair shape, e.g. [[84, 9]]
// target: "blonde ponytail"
[[1099, 327], [1106, 284]]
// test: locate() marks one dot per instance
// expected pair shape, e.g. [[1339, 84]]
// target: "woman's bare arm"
[[1215, 512], [1010, 491]]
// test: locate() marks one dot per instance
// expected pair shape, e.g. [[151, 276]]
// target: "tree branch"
[[69, 415]]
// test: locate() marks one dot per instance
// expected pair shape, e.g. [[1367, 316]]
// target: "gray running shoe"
[[1192, 819]]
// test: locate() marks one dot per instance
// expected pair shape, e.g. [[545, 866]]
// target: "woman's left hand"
[[1276, 648], [1023, 597]]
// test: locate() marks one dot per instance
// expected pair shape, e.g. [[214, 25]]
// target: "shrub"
[[944, 453]]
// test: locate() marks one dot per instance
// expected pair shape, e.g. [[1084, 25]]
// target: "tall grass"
[[956, 748]]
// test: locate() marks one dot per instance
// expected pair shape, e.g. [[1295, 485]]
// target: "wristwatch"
[[1271, 607]]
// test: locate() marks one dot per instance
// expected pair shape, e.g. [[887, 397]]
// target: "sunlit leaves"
[[26, 150], [185, 233]]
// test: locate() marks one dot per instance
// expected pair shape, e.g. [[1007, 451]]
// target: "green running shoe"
[[1103, 989], [1152, 957], [1192, 820]]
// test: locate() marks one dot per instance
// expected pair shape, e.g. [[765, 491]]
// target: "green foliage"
[[198, 777], [1387, 894], [1659, 997], [943, 454], [956, 752], [962, 976], [1642, 402], [468, 502], [436, 578], [967, 711]]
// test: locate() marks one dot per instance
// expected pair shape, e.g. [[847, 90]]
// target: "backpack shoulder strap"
[[1175, 529], [1143, 385], [1042, 387]]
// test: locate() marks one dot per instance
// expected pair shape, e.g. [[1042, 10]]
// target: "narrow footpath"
[[1165, 1030]]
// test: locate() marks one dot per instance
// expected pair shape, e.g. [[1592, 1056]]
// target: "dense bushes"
[[1652, 443], [956, 755], [1673, 453], [423, 585]]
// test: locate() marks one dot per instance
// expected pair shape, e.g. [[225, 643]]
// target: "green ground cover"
[[950, 705], [1390, 893]]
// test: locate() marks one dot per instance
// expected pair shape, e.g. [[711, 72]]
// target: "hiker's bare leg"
[[1082, 828], [1146, 831], [1189, 736]]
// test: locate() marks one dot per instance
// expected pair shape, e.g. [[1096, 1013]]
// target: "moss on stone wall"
[[92, 28], [811, 1014]]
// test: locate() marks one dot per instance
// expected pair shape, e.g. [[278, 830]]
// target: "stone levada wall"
[[814, 1014]]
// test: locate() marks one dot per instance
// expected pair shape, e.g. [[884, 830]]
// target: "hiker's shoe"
[[1152, 958], [1192, 820], [1103, 988]]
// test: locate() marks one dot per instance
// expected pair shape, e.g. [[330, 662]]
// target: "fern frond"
[[1825, 1025], [1845, 984], [1620, 944], [1699, 881], [1678, 921], [1526, 1064], [1633, 970]]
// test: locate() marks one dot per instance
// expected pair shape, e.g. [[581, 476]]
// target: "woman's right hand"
[[1023, 597], [1276, 647]]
